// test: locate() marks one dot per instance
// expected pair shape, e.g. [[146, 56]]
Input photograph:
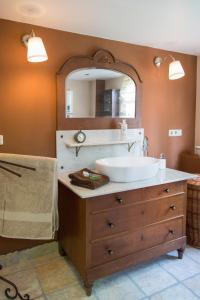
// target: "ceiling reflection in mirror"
[[95, 92]]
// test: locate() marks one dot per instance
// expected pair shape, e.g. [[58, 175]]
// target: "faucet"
[[145, 146]]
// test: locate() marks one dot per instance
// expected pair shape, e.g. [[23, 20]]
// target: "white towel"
[[29, 204]]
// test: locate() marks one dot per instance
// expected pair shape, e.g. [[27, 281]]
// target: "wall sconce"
[[175, 68], [35, 48]]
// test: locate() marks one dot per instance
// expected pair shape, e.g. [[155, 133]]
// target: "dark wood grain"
[[134, 259], [136, 216], [72, 230], [135, 241], [102, 235]]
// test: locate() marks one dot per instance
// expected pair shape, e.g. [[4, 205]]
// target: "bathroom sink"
[[128, 168]]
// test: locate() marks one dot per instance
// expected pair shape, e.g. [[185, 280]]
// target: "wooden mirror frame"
[[101, 59]]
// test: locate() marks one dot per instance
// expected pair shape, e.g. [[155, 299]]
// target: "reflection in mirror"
[[94, 92]]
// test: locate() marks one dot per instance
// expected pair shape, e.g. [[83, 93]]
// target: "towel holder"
[[15, 292], [15, 165], [10, 171]]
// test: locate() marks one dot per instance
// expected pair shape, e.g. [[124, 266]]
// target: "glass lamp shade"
[[175, 70], [36, 50]]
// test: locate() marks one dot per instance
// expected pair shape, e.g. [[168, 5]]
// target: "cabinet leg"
[[88, 288], [180, 253], [61, 250]]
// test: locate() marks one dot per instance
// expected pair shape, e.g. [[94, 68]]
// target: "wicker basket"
[[193, 212]]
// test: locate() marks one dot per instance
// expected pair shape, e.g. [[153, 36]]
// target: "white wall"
[[81, 97], [197, 129], [115, 83], [92, 98]]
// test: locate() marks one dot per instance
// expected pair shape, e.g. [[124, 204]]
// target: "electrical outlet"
[[1, 139], [175, 132]]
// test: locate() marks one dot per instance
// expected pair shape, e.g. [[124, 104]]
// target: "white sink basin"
[[128, 168]]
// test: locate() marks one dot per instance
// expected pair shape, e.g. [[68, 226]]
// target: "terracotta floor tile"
[[55, 274], [14, 262], [26, 281], [45, 275], [41, 250], [71, 292]]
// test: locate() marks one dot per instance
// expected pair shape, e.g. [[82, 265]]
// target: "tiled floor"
[[43, 274]]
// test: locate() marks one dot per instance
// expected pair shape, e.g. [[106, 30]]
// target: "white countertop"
[[162, 177]]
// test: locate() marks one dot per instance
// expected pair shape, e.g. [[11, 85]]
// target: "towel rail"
[[14, 292], [17, 165], [10, 171]]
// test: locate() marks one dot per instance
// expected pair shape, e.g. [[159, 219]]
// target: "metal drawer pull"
[[111, 225], [172, 207], [167, 190], [171, 231], [142, 237], [110, 252], [119, 199]]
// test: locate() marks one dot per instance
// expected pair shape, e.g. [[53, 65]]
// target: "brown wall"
[[28, 92]]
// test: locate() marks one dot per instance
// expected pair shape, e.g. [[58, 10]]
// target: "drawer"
[[135, 216], [110, 249], [114, 200], [164, 190], [123, 198]]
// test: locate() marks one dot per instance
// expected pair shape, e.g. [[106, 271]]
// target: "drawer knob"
[[173, 207], [167, 190], [110, 252], [111, 225], [171, 231], [119, 199]]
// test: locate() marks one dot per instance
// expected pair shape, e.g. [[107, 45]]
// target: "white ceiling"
[[167, 24], [93, 74]]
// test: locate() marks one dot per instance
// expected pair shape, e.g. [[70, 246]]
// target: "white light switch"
[[1, 139], [175, 132]]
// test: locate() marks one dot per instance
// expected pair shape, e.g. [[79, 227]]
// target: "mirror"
[[96, 92]]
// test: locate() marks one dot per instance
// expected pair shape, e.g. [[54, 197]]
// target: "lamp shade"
[[36, 50], [175, 70]]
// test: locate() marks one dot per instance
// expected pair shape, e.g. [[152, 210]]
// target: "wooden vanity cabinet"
[[109, 233]]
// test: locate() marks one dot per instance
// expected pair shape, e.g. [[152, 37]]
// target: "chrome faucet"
[[145, 146]]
